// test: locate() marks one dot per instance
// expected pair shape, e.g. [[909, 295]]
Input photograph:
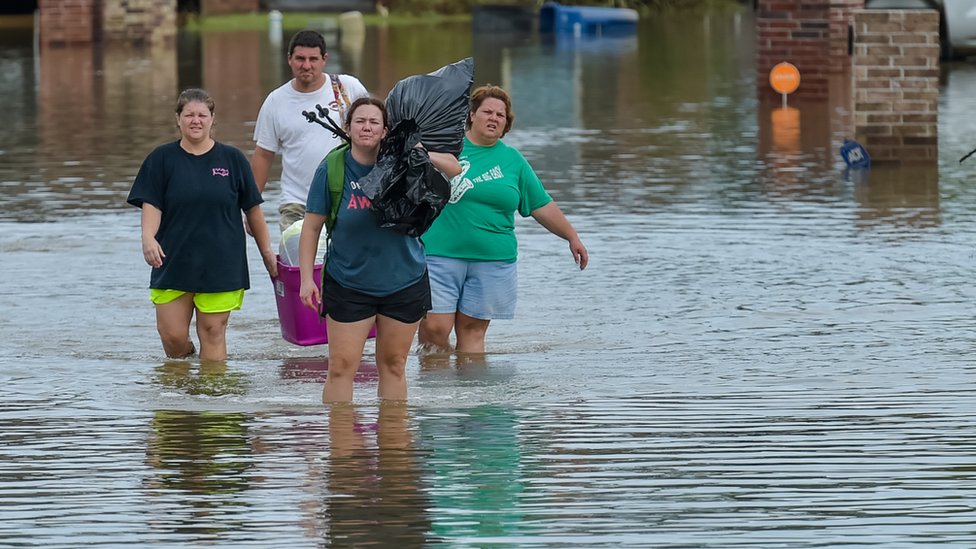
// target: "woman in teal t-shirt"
[[471, 246], [373, 276]]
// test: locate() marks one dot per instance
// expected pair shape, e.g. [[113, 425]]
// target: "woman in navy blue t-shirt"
[[192, 193]]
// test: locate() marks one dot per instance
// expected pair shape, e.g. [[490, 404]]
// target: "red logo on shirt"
[[223, 172], [357, 202]]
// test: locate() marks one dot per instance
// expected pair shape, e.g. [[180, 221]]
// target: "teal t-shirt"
[[363, 256], [478, 222]]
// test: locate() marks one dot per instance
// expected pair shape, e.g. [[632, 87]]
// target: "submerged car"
[[957, 22]]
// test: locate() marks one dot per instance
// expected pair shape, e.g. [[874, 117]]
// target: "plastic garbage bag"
[[405, 190], [288, 247], [437, 102]]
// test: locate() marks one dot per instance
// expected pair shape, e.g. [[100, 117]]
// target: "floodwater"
[[765, 351]]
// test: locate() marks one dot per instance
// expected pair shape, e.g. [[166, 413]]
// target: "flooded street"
[[765, 351]]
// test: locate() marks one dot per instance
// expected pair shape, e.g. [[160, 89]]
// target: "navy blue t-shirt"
[[362, 255], [201, 199]]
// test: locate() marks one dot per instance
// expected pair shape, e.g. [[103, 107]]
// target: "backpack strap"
[[342, 99], [336, 173]]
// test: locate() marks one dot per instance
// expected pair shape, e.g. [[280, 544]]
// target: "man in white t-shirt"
[[281, 127]]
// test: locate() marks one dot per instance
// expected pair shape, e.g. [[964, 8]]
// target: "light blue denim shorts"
[[485, 290]]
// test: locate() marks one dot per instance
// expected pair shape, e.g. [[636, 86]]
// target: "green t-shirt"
[[478, 222]]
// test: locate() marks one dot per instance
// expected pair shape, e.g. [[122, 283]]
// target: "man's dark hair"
[[307, 39]]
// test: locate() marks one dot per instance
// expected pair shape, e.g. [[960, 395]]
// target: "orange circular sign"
[[784, 78]]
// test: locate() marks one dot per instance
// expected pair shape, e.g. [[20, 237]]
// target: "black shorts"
[[344, 305]]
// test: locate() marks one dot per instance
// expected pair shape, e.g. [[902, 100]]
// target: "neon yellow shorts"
[[217, 302]]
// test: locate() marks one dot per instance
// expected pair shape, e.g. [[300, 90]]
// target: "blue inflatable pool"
[[556, 18]]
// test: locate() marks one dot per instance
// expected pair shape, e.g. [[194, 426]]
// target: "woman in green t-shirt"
[[471, 246]]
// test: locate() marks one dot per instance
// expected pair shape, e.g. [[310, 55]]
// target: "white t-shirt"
[[282, 129]]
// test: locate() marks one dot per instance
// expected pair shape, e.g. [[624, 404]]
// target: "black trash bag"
[[437, 102], [405, 190]]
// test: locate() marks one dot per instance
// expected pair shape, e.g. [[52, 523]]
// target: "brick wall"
[[222, 7], [811, 34], [896, 84], [840, 21], [139, 21], [68, 22]]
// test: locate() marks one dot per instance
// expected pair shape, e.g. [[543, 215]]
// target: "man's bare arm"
[[261, 166]]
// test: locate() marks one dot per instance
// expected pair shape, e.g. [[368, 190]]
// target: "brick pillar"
[[840, 21], [68, 22], [75, 22], [139, 22], [811, 34], [896, 84]]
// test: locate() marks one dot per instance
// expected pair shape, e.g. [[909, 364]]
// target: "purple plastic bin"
[[299, 324]]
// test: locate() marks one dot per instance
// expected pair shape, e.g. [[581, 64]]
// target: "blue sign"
[[854, 155]]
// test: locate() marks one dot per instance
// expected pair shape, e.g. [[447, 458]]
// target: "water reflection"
[[796, 150], [199, 452], [463, 362], [785, 124], [210, 378], [799, 159], [234, 84], [80, 153], [201, 463], [374, 494], [474, 473], [469, 373], [907, 196], [315, 370]]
